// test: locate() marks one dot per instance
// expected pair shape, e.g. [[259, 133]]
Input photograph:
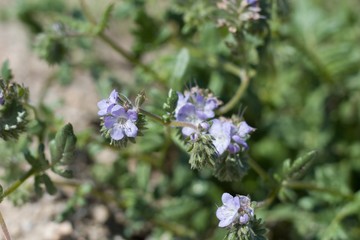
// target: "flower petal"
[[243, 219], [132, 115], [117, 133], [109, 121], [221, 133], [119, 111], [130, 129], [226, 222], [113, 96], [244, 129], [226, 198]]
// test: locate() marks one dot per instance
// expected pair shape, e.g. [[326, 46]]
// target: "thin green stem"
[[269, 199], [17, 184], [171, 123], [239, 92], [119, 49], [154, 117], [313, 187], [182, 124], [4, 228], [258, 169]]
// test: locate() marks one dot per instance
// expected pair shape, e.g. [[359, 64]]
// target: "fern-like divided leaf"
[[62, 150], [298, 168]]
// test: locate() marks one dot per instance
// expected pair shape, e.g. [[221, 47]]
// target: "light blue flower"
[[106, 105], [234, 210], [228, 212], [121, 122], [239, 135], [220, 131], [196, 107]]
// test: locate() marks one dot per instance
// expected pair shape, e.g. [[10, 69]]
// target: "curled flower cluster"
[[119, 120], [197, 107], [235, 210], [242, 10]]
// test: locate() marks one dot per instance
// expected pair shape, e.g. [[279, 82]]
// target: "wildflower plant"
[[171, 160]]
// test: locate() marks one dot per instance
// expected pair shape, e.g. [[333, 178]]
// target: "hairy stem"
[[269, 199], [258, 169], [4, 228], [313, 187], [154, 117], [239, 92], [171, 123], [119, 49], [18, 183]]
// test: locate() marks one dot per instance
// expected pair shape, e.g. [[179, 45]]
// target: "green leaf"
[[49, 185], [59, 170], [299, 167], [170, 105], [63, 146], [104, 19], [37, 186], [43, 164], [143, 175], [182, 61], [6, 72], [62, 150], [30, 159]]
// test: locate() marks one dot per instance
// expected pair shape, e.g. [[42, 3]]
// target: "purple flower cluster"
[[234, 210], [229, 136], [119, 121], [241, 10], [197, 108]]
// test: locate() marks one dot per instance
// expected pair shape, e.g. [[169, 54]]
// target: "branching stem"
[[119, 49], [312, 187], [18, 183], [158, 119], [239, 92]]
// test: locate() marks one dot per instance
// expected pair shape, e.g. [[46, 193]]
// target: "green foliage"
[[170, 105], [254, 231], [202, 152], [301, 59], [6, 73], [62, 150], [182, 61], [299, 167], [13, 112], [232, 167]]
